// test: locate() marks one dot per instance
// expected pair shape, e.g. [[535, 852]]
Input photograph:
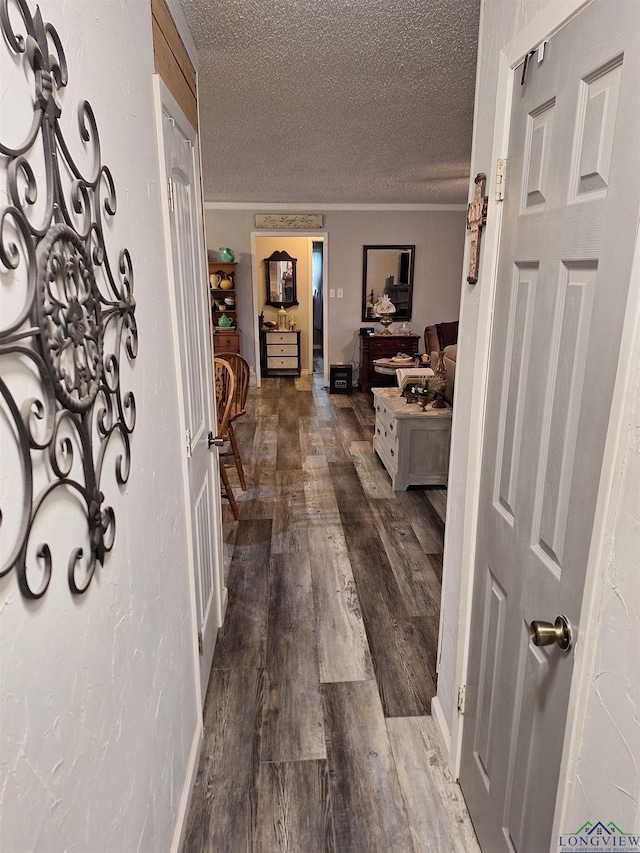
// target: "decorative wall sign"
[[476, 218], [73, 321], [300, 221]]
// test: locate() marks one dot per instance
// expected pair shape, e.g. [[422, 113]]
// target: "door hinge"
[[200, 651], [462, 690], [189, 448], [170, 193], [500, 175]]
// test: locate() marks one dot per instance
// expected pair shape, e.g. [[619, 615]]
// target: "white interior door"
[[194, 344], [569, 225]]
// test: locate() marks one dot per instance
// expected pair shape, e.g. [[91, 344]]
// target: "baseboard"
[[190, 777], [441, 727]]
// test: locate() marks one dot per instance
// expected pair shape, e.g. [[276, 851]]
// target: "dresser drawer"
[[226, 342], [282, 349], [387, 449], [282, 362], [282, 338], [384, 418]]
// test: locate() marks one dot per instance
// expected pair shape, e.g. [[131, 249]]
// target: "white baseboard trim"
[[441, 727], [190, 777]]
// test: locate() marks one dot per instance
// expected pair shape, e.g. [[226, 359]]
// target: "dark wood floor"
[[317, 728]]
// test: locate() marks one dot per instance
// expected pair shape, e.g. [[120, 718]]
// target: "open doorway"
[[317, 289]]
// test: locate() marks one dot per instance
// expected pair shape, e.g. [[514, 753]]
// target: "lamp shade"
[[383, 306]]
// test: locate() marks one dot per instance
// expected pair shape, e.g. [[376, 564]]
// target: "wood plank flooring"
[[317, 728]]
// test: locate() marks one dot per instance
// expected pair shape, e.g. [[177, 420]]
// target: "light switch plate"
[[340, 293], [332, 293]]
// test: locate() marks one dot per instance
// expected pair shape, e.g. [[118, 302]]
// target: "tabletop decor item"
[[283, 320], [440, 377], [226, 255], [383, 309]]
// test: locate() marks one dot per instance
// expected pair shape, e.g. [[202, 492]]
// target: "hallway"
[[317, 728]]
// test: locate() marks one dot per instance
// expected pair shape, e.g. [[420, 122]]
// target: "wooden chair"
[[240, 370], [225, 384]]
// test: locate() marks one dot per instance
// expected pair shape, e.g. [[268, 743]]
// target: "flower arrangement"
[[425, 390]]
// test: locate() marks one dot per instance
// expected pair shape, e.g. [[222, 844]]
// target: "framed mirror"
[[387, 270], [281, 280]]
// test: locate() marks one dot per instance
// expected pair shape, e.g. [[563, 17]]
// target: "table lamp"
[[383, 309]]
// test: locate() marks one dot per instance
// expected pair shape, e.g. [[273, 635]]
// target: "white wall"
[[607, 777], [437, 234], [604, 773], [98, 709]]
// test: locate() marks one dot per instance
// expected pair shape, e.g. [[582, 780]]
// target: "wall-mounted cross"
[[476, 218]]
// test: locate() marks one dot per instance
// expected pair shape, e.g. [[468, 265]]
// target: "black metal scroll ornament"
[[66, 322]]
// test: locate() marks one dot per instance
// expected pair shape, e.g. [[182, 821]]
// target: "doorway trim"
[[542, 27], [318, 235]]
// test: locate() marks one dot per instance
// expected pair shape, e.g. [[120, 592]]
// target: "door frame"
[[310, 235], [541, 28]]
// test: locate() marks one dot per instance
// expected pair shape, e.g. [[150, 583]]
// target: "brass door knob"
[[546, 634], [215, 441]]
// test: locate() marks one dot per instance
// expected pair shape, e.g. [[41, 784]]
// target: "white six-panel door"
[[192, 323], [569, 225]]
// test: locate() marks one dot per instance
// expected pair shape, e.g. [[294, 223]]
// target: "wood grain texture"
[[436, 810], [292, 724], [289, 528], [424, 519], [320, 499], [437, 497], [303, 382], [164, 21], [371, 472], [343, 649], [364, 412], [311, 442], [172, 62], [413, 573], [366, 800], [242, 639], [294, 809], [400, 658], [223, 816]]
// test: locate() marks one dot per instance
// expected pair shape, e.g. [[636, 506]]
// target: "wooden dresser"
[[382, 346], [280, 352]]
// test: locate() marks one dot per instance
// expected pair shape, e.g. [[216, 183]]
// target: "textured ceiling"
[[338, 101]]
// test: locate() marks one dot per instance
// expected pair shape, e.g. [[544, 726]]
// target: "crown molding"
[[279, 207]]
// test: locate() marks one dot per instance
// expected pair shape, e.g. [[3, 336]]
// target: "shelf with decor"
[[222, 295]]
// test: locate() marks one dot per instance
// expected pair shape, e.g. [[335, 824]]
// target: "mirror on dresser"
[[387, 270], [280, 274]]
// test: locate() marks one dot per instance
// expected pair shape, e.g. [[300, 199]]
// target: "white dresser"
[[413, 445], [280, 353]]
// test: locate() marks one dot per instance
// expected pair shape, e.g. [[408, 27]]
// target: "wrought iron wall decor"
[[70, 329]]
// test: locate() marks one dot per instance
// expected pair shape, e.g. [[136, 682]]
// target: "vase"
[[440, 375]]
